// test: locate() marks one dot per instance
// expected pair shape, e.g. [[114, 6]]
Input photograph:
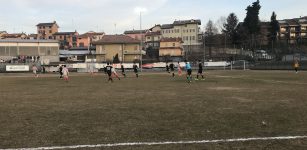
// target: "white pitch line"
[[165, 143]]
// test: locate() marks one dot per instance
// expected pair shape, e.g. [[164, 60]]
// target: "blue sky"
[[115, 16]]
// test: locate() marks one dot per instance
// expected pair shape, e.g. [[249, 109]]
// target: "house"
[[67, 39], [121, 48], [14, 36], [136, 34], [46, 30], [84, 40], [24, 50], [32, 36], [2, 33], [171, 48]]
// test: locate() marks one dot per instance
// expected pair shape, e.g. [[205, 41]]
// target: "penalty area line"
[[165, 143]]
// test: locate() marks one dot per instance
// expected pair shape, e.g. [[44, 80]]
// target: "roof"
[[183, 22], [13, 35], [171, 40], [64, 33], [27, 41], [90, 34], [32, 35], [292, 22], [153, 33], [117, 39], [47, 24], [135, 31], [167, 26]]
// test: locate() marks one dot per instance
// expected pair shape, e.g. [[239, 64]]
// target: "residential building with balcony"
[[67, 40], [187, 30], [126, 48], [171, 47], [46, 30], [293, 30]]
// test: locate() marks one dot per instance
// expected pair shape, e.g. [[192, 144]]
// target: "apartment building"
[[66, 39], [171, 47], [293, 30], [187, 30], [85, 40], [46, 30], [126, 48]]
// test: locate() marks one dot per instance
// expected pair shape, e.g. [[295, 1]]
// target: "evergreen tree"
[[252, 22], [275, 28], [230, 27]]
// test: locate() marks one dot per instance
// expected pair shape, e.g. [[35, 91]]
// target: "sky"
[[116, 16]]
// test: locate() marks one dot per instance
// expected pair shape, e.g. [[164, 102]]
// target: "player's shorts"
[[109, 74], [34, 72], [135, 71], [200, 71], [189, 71]]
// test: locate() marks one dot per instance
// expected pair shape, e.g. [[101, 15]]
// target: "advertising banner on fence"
[[13, 68]]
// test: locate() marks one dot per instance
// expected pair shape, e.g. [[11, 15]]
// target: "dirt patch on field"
[[226, 88], [242, 99]]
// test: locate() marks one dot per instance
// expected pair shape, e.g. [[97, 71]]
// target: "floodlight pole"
[[141, 44]]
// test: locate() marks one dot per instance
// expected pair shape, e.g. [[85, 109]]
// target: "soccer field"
[[48, 112]]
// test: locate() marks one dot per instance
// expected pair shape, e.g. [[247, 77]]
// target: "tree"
[[220, 23], [116, 59], [252, 22], [275, 28], [230, 27], [210, 31]]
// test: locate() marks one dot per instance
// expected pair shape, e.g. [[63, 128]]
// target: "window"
[[50, 27], [174, 44], [50, 37], [148, 38], [81, 44], [50, 31], [193, 37]]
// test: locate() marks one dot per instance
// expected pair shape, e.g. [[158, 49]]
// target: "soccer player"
[[34, 69], [114, 72], [123, 70], [179, 69], [200, 71], [189, 71], [167, 68], [108, 69], [172, 67], [65, 73], [60, 71], [135, 69], [296, 65]]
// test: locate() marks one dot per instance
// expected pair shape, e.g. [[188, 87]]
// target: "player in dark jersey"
[[108, 69], [172, 67], [123, 70], [135, 69], [167, 68], [200, 71]]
